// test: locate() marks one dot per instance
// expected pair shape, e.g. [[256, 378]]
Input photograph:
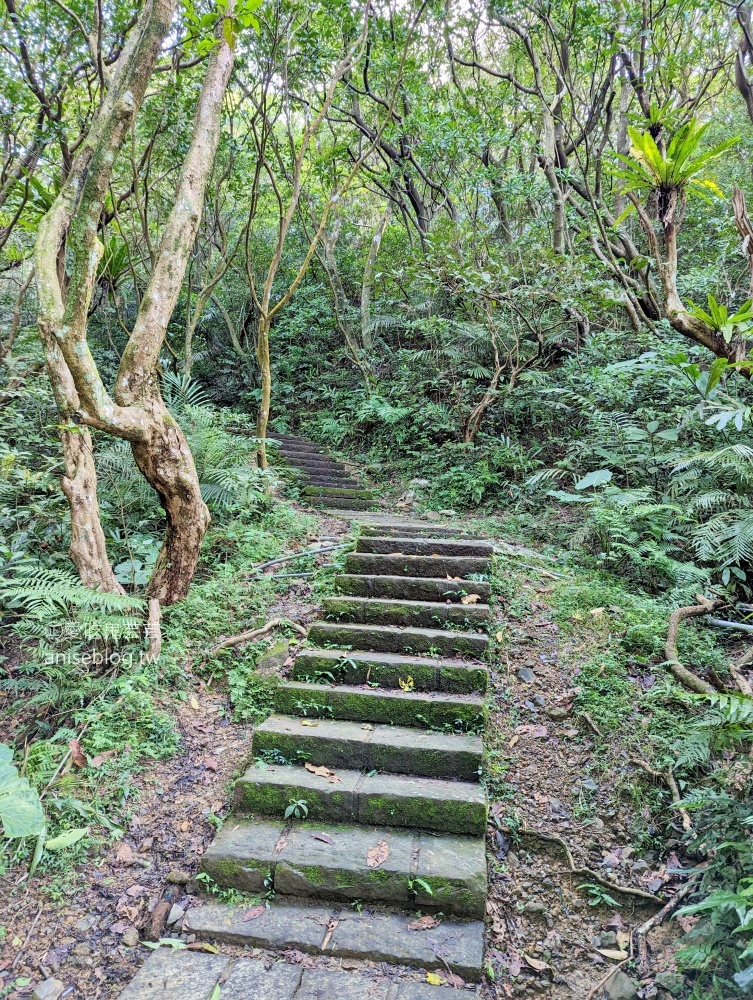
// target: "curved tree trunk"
[[265, 370]]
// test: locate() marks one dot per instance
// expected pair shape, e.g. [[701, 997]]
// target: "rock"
[[178, 877], [82, 949], [540, 700], [175, 915], [589, 784], [146, 845], [533, 907], [608, 939], [621, 987], [526, 675], [50, 989], [273, 659], [639, 866], [558, 712], [672, 982], [85, 924], [421, 483], [130, 937]]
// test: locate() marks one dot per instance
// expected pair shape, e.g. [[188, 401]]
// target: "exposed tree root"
[[682, 674], [604, 980], [154, 630], [644, 964], [669, 777], [254, 633], [625, 889]]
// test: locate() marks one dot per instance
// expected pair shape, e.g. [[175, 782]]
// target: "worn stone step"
[[409, 529], [343, 503], [315, 462], [425, 546], [282, 739], [388, 799], [388, 669], [423, 709], [388, 611], [376, 937], [445, 872], [168, 974], [337, 491], [317, 480], [390, 639], [413, 588], [371, 563]]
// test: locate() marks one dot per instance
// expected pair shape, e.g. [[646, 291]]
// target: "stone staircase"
[[327, 482], [375, 751]]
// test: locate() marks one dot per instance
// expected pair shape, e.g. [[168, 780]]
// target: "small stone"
[[146, 845], [639, 866], [672, 982], [85, 924], [50, 989], [82, 949], [540, 700], [178, 877], [621, 987], [589, 784], [558, 712], [130, 937], [175, 915], [526, 675], [421, 483], [608, 939], [597, 824]]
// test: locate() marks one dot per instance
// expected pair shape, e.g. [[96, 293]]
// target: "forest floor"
[[552, 775]]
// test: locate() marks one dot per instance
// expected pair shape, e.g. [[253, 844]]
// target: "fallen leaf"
[[513, 741], [623, 940], [308, 722], [367, 725], [202, 946], [210, 763], [499, 636], [78, 756], [453, 979], [424, 923], [255, 912], [433, 979], [377, 855], [324, 838], [616, 956], [535, 964], [515, 968], [99, 760], [470, 599], [124, 854], [407, 684], [596, 612], [322, 772], [193, 703], [289, 662]]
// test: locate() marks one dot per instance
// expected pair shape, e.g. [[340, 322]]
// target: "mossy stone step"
[[387, 611], [424, 546], [343, 503], [389, 799], [395, 749], [390, 639], [444, 872], [351, 484], [408, 529], [302, 462], [378, 937], [423, 709], [388, 669], [337, 491], [412, 588], [370, 563]]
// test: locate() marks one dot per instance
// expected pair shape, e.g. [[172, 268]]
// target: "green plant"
[[21, 811], [597, 895], [298, 809]]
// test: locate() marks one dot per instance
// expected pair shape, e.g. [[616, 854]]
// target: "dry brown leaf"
[[426, 923], [470, 599], [99, 760], [78, 756], [613, 953], [535, 963], [308, 722], [499, 636], [623, 940], [255, 912], [377, 855], [513, 741], [453, 979], [322, 772], [210, 763], [324, 838]]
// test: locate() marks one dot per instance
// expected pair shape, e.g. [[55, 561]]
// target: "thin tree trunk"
[[265, 370], [367, 287]]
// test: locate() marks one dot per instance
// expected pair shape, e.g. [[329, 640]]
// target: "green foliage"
[[21, 811]]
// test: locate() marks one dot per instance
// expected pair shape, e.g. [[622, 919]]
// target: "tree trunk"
[[167, 464], [262, 355], [367, 287]]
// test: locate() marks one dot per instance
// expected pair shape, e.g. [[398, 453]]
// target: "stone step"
[[282, 739], [408, 529], [445, 872], [424, 546], [370, 563], [423, 614], [337, 491], [303, 462], [168, 974], [390, 639], [423, 709], [343, 503], [300, 448], [388, 669], [336, 481], [376, 937], [388, 799], [414, 588]]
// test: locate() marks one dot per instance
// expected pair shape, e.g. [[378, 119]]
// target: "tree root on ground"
[[669, 777], [681, 673], [644, 963], [574, 870], [254, 633]]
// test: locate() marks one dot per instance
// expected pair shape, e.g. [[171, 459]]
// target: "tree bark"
[[367, 286]]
